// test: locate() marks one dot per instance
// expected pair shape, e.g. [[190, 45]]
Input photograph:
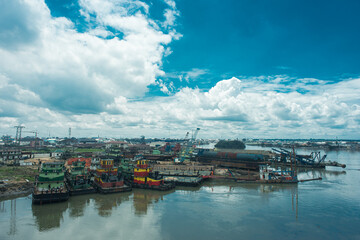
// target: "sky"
[[161, 68]]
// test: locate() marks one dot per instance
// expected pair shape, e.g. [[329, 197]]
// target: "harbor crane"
[[312, 160], [35, 132], [186, 136], [18, 134], [187, 146], [195, 134], [36, 136]]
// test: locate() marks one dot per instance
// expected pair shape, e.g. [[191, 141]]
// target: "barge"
[[145, 178], [108, 179], [270, 175], [78, 179], [50, 184]]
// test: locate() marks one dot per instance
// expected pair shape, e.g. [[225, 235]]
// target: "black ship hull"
[[42, 198]]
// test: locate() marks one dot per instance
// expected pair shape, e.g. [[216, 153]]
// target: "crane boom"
[[196, 133], [188, 145]]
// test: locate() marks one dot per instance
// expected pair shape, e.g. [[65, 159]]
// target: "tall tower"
[[18, 133], [69, 133]]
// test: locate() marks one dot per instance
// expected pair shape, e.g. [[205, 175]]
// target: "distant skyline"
[[234, 68]]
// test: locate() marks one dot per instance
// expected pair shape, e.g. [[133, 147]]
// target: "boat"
[[78, 179], [94, 164], [145, 178], [127, 169], [272, 175], [50, 184], [232, 159], [108, 179], [313, 160]]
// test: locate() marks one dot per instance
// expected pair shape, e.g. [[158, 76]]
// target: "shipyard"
[[70, 174], [58, 169]]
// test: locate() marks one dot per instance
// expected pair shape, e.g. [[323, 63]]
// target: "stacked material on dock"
[[193, 167], [185, 170], [185, 173]]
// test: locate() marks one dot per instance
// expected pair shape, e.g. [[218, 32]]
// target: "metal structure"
[[36, 133], [313, 159], [18, 134], [188, 145], [195, 134], [186, 136]]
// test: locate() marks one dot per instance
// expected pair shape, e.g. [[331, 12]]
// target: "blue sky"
[[255, 69]]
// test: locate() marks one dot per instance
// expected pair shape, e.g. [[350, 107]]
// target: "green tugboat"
[[49, 184], [78, 179]]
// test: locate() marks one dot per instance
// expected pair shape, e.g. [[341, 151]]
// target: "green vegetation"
[[234, 144], [19, 173]]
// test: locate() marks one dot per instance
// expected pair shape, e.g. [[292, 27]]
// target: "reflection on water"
[[143, 199], [106, 204], [77, 205], [12, 230], [49, 216], [314, 173], [215, 210]]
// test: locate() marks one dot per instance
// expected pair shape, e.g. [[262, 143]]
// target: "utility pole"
[[69, 133], [18, 133]]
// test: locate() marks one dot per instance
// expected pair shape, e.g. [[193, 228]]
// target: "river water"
[[326, 209]]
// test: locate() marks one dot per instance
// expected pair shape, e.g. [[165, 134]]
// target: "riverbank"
[[16, 180], [15, 189]]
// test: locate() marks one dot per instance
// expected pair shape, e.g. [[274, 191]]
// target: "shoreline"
[[15, 189]]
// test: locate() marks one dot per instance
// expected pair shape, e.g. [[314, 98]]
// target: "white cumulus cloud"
[[82, 71]]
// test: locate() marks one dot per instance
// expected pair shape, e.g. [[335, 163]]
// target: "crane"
[[187, 146], [186, 136], [313, 159], [36, 134], [195, 134], [18, 133]]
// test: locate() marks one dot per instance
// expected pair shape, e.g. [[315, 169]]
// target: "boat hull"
[[107, 190], [270, 181], [42, 198], [75, 192], [162, 187]]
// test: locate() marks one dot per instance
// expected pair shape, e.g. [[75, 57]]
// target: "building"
[[10, 154], [58, 153], [116, 144]]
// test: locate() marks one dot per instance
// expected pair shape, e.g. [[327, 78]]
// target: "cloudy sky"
[[160, 68]]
